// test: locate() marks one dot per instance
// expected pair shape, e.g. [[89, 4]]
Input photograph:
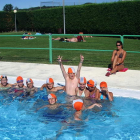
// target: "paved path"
[[126, 80]]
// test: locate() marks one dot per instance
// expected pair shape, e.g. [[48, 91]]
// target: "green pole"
[[122, 39], [50, 48]]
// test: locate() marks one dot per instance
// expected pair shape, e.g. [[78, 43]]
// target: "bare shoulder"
[[124, 51], [9, 85], [114, 51]]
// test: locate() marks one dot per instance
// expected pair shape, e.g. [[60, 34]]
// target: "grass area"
[[92, 58]]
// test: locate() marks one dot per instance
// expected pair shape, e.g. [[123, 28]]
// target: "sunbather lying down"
[[73, 39]]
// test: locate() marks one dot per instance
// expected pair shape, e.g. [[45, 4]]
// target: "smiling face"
[[82, 86], [30, 85], [4, 81], [20, 84], [50, 85], [52, 101], [71, 75]]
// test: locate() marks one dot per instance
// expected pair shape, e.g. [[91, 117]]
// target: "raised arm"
[[79, 67], [61, 66]]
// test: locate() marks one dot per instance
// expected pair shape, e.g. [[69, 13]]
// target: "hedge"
[[105, 18]]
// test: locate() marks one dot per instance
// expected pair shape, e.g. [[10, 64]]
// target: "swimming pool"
[[20, 121]]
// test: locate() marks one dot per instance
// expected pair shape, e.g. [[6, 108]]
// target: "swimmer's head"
[[103, 85], [82, 82], [71, 72], [20, 81], [50, 83], [29, 83], [78, 104], [91, 84], [52, 98], [3, 80]]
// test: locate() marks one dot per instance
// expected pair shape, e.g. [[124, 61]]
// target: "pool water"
[[119, 120]]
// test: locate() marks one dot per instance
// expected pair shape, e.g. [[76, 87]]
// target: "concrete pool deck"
[[129, 80]]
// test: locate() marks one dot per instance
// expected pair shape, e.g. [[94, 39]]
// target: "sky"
[[25, 4]]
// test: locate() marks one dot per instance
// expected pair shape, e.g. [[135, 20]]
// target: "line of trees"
[[106, 18]]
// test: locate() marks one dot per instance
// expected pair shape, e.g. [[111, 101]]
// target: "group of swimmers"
[[73, 91], [77, 88]]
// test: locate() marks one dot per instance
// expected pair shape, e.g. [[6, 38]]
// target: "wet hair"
[[120, 43]]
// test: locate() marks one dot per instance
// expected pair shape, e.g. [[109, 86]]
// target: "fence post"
[[122, 39], [50, 48]]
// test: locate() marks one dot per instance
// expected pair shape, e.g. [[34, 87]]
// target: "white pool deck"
[[126, 84]]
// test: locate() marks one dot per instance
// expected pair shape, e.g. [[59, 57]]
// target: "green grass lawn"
[[92, 58]]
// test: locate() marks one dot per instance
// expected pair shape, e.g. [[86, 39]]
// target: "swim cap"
[[82, 80], [19, 79], [51, 95], [29, 80], [3, 76], [49, 80], [91, 83], [71, 70], [103, 84], [78, 104]]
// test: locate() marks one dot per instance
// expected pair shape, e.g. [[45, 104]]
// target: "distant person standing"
[[117, 60]]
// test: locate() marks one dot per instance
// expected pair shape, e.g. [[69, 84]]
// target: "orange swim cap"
[[71, 70], [78, 104], [103, 84], [49, 80], [82, 80], [90, 83], [51, 95], [29, 80], [19, 78]]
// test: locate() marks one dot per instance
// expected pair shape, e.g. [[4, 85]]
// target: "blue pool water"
[[119, 120]]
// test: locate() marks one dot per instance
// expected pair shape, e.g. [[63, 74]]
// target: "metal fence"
[[50, 48]]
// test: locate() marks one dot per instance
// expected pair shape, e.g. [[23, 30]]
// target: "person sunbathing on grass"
[[73, 39], [117, 60], [49, 86]]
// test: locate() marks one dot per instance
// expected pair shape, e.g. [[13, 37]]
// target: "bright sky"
[[34, 3]]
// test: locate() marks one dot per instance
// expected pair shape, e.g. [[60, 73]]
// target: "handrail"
[[50, 43]]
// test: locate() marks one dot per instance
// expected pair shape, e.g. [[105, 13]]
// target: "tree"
[[8, 8], [16, 8]]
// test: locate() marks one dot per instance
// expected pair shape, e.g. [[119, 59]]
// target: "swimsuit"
[[92, 96], [83, 93], [120, 55], [102, 97]]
